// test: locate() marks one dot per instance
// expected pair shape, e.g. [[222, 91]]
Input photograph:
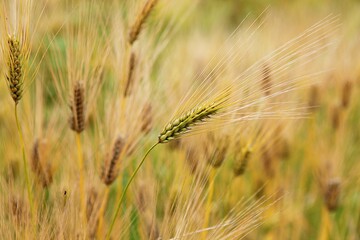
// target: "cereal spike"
[[140, 20], [15, 70], [77, 120]]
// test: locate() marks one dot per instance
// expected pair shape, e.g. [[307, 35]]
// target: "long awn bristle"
[[77, 120], [15, 69]]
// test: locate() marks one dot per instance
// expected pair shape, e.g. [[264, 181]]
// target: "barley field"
[[193, 119]]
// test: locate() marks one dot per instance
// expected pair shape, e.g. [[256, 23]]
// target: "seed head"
[[130, 77], [332, 194], [146, 118], [109, 171], [140, 20], [77, 120], [185, 122], [41, 169], [241, 161], [15, 71], [346, 94], [217, 157]]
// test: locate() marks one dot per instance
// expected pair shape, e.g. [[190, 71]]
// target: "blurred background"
[[294, 177]]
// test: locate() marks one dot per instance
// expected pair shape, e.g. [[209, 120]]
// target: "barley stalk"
[[125, 190], [27, 180], [77, 124], [15, 82], [101, 213], [81, 177], [174, 129]]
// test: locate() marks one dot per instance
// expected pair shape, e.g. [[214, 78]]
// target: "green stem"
[[125, 190], [24, 162]]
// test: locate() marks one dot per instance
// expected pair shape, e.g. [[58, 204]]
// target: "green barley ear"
[[77, 120], [181, 125], [15, 69]]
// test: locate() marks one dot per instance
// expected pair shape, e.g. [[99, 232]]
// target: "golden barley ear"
[[314, 97], [109, 170], [140, 20], [42, 170], [18, 210], [216, 155], [346, 94], [12, 171], [77, 120], [92, 208], [267, 159], [192, 160], [332, 194], [336, 117], [91, 202], [130, 76], [15, 70], [241, 161], [146, 118]]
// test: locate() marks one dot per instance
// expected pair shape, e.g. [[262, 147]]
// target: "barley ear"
[[77, 120], [130, 76], [185, 122], [109, 171], [42, 170], [332, 194], [241, 161], [15, 70], [140, 20]]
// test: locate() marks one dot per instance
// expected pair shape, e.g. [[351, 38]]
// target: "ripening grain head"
[[77, 62], [16, 17], [15, 73], [261, 90]]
